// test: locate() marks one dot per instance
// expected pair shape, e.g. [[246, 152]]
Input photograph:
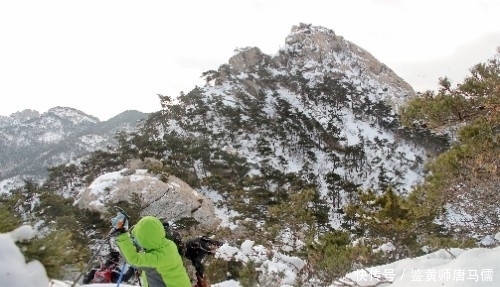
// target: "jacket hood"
[[149, 233]]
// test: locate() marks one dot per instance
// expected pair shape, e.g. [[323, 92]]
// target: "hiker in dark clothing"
[[195, 250], [108, 272]]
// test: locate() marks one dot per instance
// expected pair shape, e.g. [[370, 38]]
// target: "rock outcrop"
[[173, 200]]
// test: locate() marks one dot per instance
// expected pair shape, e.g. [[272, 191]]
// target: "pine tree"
[[466, 177], [297, 215], [384, 218], [8, 220]]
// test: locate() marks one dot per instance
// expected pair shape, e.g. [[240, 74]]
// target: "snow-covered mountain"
[[321, 105], [320, 114], [31, 142]]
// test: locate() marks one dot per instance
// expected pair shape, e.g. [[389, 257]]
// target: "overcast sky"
[[107, 56]]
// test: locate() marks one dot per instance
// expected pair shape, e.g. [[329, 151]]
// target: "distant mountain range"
[[31, 142]]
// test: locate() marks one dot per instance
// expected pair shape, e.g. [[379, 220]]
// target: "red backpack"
[[104, 274]]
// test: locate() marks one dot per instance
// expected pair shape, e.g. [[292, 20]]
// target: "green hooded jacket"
[[161, 263]]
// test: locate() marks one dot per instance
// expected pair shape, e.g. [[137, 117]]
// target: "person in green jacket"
[[160, 262]]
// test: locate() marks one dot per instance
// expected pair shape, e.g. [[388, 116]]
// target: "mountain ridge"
[[308, 79], [32, 142], [264, 128]]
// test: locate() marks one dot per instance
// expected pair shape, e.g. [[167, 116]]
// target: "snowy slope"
[[453, 268]]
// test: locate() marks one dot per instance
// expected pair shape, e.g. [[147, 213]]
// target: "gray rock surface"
[[172, 200]]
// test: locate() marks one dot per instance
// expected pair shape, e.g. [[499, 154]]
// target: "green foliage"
[[248, 275], [81, 223], [54, 251], [484, 80], [8, 219], [332, 256], [67, 176], [62, 176], [466, 177], [67, 229], [436, 110], [296, 214], [186, 223], [92, 223], [98, 163], [210, 75], [218, 269], [477, 97], [383, 218], [408, 222]]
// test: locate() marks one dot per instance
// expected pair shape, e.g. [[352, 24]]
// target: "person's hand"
[[120, 223]]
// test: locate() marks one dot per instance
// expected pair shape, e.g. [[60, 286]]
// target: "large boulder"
[[173, 199]]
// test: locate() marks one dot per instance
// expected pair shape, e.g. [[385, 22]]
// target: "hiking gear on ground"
[[109, 272], [160, 263], [110, 233], [93, 257], [104, 274]]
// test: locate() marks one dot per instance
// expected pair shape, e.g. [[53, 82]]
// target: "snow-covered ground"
[[451, 268]]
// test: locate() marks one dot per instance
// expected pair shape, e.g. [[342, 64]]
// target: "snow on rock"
[[174, 199], [450, 268], [488, 240], [246, 252], [497, 236], [9, 184], [228, 283], [386, 247], [14, 270], [73, 115], [272, 263]]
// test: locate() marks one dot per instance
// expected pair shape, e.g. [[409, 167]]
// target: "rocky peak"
[[246, 58], [315, 39], [317, 51], [19, 117], [26, 114], [73, 115], [318, 86]]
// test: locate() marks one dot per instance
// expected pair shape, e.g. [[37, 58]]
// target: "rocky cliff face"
[[319, 50], [314, 52]]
